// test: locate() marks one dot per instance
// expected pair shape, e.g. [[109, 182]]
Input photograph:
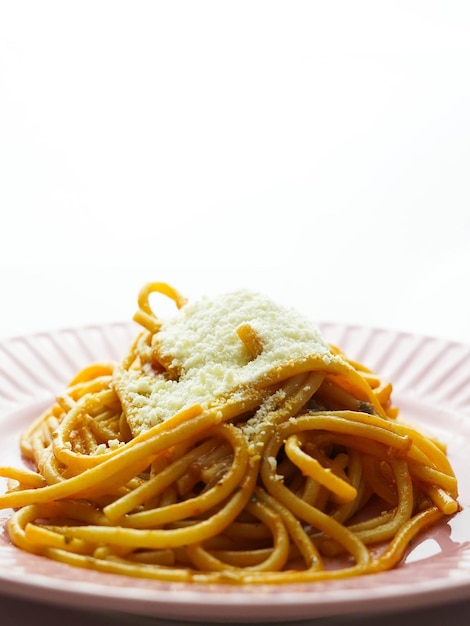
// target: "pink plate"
[[432, 386]]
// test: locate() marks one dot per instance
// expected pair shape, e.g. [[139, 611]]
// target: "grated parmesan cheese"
[[200, 345]]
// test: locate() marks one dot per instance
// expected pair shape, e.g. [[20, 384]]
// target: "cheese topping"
[[210, 348]]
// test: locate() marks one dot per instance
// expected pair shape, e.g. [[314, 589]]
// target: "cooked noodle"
[[305, 474]]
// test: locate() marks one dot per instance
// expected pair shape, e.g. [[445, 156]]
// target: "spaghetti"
[[299, 470]]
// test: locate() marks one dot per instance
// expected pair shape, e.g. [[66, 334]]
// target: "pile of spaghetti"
[[277, 468]]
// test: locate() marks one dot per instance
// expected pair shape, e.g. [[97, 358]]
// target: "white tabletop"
[[318, 152]]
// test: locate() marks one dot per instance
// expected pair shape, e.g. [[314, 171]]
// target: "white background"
[[316, 151]]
